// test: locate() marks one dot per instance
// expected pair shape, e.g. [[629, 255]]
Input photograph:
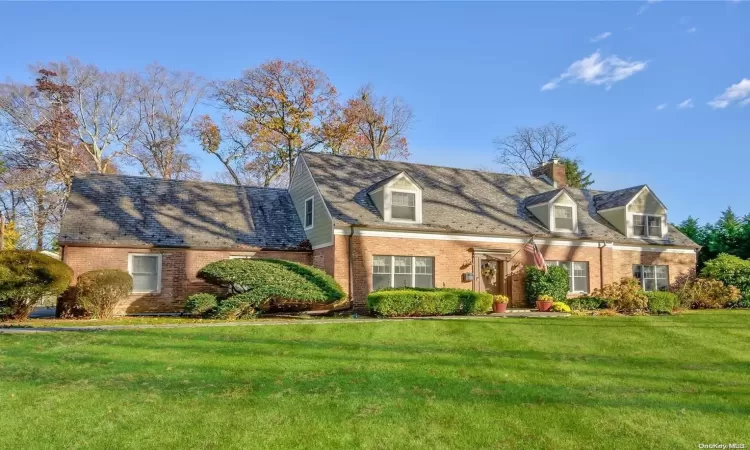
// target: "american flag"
[[538, 258]]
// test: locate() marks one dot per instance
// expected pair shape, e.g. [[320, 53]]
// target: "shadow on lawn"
[[373, 371]]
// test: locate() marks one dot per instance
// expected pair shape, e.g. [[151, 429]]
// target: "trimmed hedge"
[[662, 302], [262, 281], [554, 282], [235, 307], [99, 291], [27, 277], [428, 302], [200, 304], [586, 303]]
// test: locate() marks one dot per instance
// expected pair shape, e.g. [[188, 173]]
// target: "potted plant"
[[544, 302], [499, 303]]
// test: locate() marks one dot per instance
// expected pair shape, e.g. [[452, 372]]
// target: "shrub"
[[545, 298], [262, 281], [26, 278], [235, 307], [200, 304], [659, 301], [624, 296], [699, 293], [554, 283], [428, 302], [559, 307], [500, 299], [99, 291], [606, 313], [586, 303], [732, 271]]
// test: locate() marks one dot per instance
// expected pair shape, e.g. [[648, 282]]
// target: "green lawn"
[[607, 382]]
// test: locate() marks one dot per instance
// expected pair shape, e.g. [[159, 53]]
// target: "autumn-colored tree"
[[380, 125], [287, 103], [164, 104], [10, 236]]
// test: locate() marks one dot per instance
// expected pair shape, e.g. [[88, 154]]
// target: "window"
[[579, 274], [146, 273], [309, 213], [403, 206], [563, 218], [248, 256], [652, 278], [646, 226], [402, 271]]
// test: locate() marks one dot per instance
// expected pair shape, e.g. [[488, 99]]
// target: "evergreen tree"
[[577, 177]]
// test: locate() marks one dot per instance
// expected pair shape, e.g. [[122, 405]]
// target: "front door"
[[490, 275]]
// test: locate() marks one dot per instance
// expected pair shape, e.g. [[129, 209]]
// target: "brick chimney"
[[553, 172]]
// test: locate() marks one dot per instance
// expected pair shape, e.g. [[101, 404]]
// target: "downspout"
[[351, 266], [601, 263]]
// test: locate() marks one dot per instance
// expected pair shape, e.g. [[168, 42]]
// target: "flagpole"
[[524, 245]]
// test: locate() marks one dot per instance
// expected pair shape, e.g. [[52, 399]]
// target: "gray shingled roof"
[[614, 199], [544, 197], [457, 200], [126, 210]]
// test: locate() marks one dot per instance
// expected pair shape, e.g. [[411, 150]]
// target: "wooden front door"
[[489, 275]]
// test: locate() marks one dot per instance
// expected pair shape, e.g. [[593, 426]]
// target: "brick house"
[[373, 224]]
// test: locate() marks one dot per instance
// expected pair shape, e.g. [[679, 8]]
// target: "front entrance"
[[491, 272]]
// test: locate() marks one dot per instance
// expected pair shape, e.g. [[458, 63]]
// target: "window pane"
[[402, 264], [403, 205], [308, 212], [649, 285], [662, 284], [563, 218], [402, 280], [648, 272], [144, 283], [423, 265], [580, 284], [144, 264], [654, 226], [403, 199], [637, 272], [639, 225], [381, 281], [423, 281], [661, 272], [403, 212], [581, 269], [381, 264]]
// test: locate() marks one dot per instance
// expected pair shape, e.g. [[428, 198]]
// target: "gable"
[[646, 203]]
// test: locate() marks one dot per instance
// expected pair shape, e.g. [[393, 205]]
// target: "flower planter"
[[499, 307], [543, 306]]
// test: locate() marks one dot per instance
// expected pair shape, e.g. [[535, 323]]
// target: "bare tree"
[[380, 125], [164, 105], [529, 147]]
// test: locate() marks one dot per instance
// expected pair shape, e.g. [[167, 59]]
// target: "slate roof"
[[127, 210], [544, 197], [458, 200], [614, 199]]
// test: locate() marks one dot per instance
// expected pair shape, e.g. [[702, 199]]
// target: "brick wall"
[[179, 272], [453, 258]]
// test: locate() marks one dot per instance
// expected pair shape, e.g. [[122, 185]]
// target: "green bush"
[[235, 307], [26, 278], [264, 281], [99, 291], [559, 307], [586, 303], [662, 302], [428, 302], [554, 282], [699, 293], [200, 304], [732, 271], [623, 296]]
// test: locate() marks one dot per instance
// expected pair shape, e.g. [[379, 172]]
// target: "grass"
[[606, 382]]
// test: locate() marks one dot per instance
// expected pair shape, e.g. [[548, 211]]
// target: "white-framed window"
[[646, 226], [146, 272], [563, 218], [309, 216], [402, 271], [403, 205], [248, 256], [652, 278], [578, 272]]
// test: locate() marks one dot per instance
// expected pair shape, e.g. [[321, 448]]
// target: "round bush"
[[262, 281], [662, 302], [27, 277], [559, 307], [732, 271], [98, 292], [698, 293], [554, 282], [428, 302], [623, 296], [200, 304]]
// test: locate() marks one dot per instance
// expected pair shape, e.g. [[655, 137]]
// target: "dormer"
[[635, 212], [556, 210], [398, 199]]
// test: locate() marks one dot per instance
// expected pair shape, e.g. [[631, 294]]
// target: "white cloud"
[[686, 104], [691, 30], [662, 106], [645, 6], [601, 37], [739, 92], [598, 71]]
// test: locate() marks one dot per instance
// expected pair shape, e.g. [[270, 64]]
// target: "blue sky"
[[471, 71]]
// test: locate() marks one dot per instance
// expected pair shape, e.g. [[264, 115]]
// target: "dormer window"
[[563, 218], [403, 205], [646, 226]]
